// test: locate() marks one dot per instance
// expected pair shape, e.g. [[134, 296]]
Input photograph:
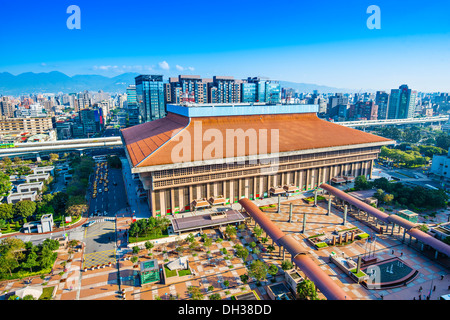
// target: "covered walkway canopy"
[[299, 256], [410, 227]]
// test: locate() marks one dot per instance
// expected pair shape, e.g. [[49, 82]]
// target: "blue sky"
[[321, 42]]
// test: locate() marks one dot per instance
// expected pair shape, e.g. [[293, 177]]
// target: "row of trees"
[[21, 259], [153, 227], [413, 198], [410, 158], [416, 135]]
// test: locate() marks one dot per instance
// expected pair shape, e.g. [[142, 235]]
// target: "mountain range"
[[55, 82]]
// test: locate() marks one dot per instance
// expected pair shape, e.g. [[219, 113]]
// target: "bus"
[[99, 158]]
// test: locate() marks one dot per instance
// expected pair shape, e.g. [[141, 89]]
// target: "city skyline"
[[327, 45]]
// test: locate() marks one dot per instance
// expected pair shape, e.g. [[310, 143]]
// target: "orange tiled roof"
[[149, 144]]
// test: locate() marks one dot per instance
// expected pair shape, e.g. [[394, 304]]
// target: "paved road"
[[112, 200], [100, 244], [408, 176]]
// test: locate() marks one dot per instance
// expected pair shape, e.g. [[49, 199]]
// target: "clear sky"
[[321, 42]]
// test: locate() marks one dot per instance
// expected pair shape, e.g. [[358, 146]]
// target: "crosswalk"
[[99, 258]]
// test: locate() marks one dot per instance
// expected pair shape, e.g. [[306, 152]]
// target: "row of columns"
[[390, 226]]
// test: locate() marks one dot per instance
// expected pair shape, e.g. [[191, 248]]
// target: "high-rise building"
[[92, 121], [334, 104], [382, 101], [224, 89], [187, 88], [150, 97], [267, 91], [402, 103], [248, 92], [363, 110], [6, 107], [131, 96]]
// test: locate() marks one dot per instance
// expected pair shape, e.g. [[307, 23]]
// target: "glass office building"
[[150, 97], [267, 91], [402, 103], [248, 92]]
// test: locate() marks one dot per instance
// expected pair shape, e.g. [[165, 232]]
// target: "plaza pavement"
[[103, 283]]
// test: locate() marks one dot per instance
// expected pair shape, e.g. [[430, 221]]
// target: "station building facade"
[[218, 154]]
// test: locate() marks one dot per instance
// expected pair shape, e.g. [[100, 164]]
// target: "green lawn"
[[184, 272], [46, 293], [321, 245], [148, 237], [170, 273], [363, 236], [359, 274]]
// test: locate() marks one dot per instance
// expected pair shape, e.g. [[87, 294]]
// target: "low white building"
[[16, 197], [37, 177], [44, 170], [29, 187], [441, 166], [45, 225]]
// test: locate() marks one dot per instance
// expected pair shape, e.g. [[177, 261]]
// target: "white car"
[[99, 190]]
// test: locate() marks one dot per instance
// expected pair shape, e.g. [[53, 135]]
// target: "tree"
[[14, 247], [11, 252], [2, 224], [149, 246], [135, 250], [226, 283], [231, 231], [48, 257], [134, 259], [190, 238], [361, 183], [208, 242], [258, 270], [54, 157], [6, 211], [306, 290], [244, 278], [258, 231], [286, 265], [242, 253], [59, 201], [215, 296], [195, 293], [443, 141], [5, 185], [273, 270], [388, 198], [52, 244], [193, 245], [31, 261], [25, 208], [7, 161]]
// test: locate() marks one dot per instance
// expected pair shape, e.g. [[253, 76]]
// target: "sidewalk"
[[139, 207]]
